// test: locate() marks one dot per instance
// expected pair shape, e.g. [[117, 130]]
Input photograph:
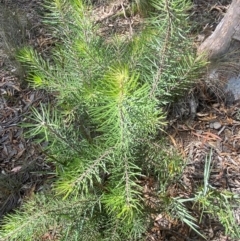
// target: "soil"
[[214, 126]]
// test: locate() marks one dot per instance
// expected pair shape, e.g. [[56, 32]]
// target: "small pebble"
[[216, 125], [216, 105]]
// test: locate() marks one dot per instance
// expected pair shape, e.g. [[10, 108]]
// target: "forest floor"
[[215, 127]]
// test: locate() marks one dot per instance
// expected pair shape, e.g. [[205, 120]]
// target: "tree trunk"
[[225, 35]]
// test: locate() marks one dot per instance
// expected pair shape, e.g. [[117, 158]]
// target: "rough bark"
[[226, 34]]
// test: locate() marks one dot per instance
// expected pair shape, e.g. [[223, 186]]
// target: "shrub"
[[103, 128]]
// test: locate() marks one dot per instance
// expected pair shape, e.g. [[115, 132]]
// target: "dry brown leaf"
[[211, 117], [202, 114], [173, 140]]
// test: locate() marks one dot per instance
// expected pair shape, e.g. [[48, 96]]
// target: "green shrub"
[[102, 129]]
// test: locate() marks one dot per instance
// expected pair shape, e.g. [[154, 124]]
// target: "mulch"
[[22, 166], [217, 131]]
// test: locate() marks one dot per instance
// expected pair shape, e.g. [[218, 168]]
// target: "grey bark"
[[226, 34]]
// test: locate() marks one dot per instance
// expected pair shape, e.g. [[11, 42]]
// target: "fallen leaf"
[[16, 169], [202, 114], [173, 140]]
